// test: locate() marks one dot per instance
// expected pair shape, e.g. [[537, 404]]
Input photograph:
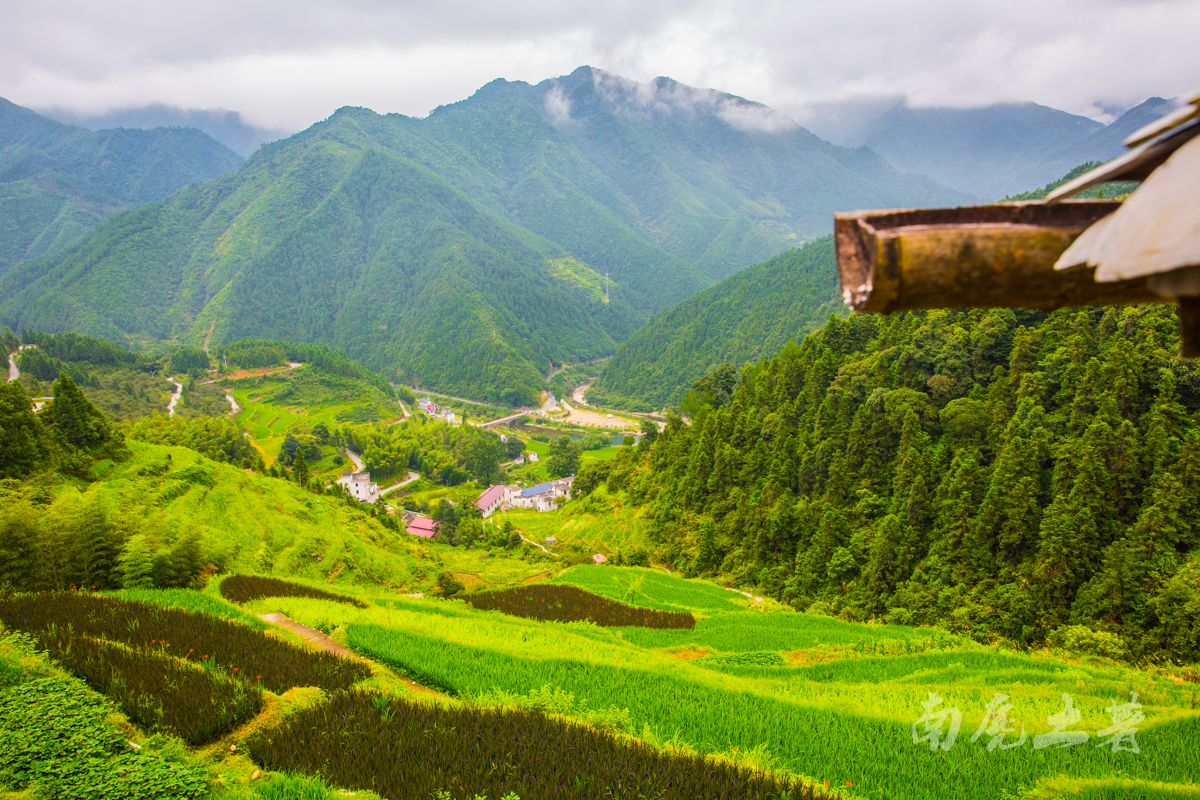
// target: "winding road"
[[357, 461], [412, 476], [13, 372]]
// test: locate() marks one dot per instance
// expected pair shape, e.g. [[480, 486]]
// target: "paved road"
[[452, 397], [13, 372], [355, 459], [234, 408], [412, 476]]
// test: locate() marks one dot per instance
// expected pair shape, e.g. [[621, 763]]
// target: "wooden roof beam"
[[994, 256]]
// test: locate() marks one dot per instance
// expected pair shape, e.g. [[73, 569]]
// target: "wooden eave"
[[994, 256]]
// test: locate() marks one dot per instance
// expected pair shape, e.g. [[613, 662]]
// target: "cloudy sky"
[[289, 63]]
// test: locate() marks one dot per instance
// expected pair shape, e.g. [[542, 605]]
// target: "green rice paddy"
[[810, 695]]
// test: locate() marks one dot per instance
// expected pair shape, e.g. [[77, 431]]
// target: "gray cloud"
[[290, 63]]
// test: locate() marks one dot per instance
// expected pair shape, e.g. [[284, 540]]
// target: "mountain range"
[[58, 181], [227, 127], [999, 150], [470, 249]]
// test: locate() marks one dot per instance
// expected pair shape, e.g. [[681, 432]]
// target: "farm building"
[[420, 526], [493, 499], [542, 496], [359, 485]]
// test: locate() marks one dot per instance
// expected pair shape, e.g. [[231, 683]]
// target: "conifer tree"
[[73, 419], [22, 446], [300, 470]]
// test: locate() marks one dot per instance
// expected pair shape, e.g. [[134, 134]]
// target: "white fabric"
[[1156, 230]]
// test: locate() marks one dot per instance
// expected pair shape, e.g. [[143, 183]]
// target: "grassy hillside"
[[57, 182], [734, 695], [744, 318]]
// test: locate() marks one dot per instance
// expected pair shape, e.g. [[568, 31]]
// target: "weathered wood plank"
[[998, 255]]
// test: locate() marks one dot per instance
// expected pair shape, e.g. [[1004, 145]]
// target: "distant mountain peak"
[[669, 96], [227, 127]]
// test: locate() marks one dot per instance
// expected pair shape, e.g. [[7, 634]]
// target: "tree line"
[[1005, 474]]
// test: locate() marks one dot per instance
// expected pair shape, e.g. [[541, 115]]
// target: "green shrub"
[[1083, 640], [56, 738]]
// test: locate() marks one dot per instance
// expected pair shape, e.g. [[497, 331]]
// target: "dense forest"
[[57, 181], [449, 454], [744, 318], [1004, 474]]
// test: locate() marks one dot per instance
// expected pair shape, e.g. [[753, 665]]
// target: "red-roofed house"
[[423, 527], [490, 501]]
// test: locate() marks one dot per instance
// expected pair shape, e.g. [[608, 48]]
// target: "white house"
[[542, 496], [359, 485], [492, 500]]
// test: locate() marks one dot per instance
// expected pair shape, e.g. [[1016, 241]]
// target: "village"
[[546, 496], [543, 496]]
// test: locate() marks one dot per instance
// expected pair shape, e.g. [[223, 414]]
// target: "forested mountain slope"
[[1002, 474], [596, 162], [328, 237], [58, 181], [227, 127], [467, 250], [744, 318], [1001, 149]]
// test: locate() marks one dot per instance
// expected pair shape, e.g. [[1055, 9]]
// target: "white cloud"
[[558, 106], [290, 63]]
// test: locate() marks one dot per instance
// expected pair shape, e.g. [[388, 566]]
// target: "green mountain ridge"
[[746, 317], [436, 250], [57, 181]]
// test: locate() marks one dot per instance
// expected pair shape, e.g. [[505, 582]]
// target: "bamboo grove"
[[1016, 475]]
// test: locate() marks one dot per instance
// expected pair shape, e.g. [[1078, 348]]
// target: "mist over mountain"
[[227, 127], [467, 250], [999, 150], [58, 181]]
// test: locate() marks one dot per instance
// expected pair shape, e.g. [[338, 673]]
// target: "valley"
[[527, 450]]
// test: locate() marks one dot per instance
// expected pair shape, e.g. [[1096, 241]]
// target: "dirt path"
[[745, 594], [579, 391], [234, 408], [175, 397], [535, 544], [208, 335], [310, 635], [13, 372]]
